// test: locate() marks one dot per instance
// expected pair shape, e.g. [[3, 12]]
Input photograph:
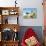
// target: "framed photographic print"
[[12, 12], [29, 13], [5, 12]]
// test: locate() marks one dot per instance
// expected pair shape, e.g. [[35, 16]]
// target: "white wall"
[[25, 4], [6, 3], [33, 4]]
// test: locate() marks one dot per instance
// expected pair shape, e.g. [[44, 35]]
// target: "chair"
[[29, 33]]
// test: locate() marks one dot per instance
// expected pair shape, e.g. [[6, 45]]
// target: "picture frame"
[[12, 12], [5, 12], [29, 13]]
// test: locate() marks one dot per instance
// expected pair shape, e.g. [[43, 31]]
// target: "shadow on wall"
[[37, 29]]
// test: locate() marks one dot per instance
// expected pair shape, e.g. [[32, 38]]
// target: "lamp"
[[15, 3]]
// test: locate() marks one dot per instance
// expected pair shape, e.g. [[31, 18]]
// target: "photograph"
[[29, 13]]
